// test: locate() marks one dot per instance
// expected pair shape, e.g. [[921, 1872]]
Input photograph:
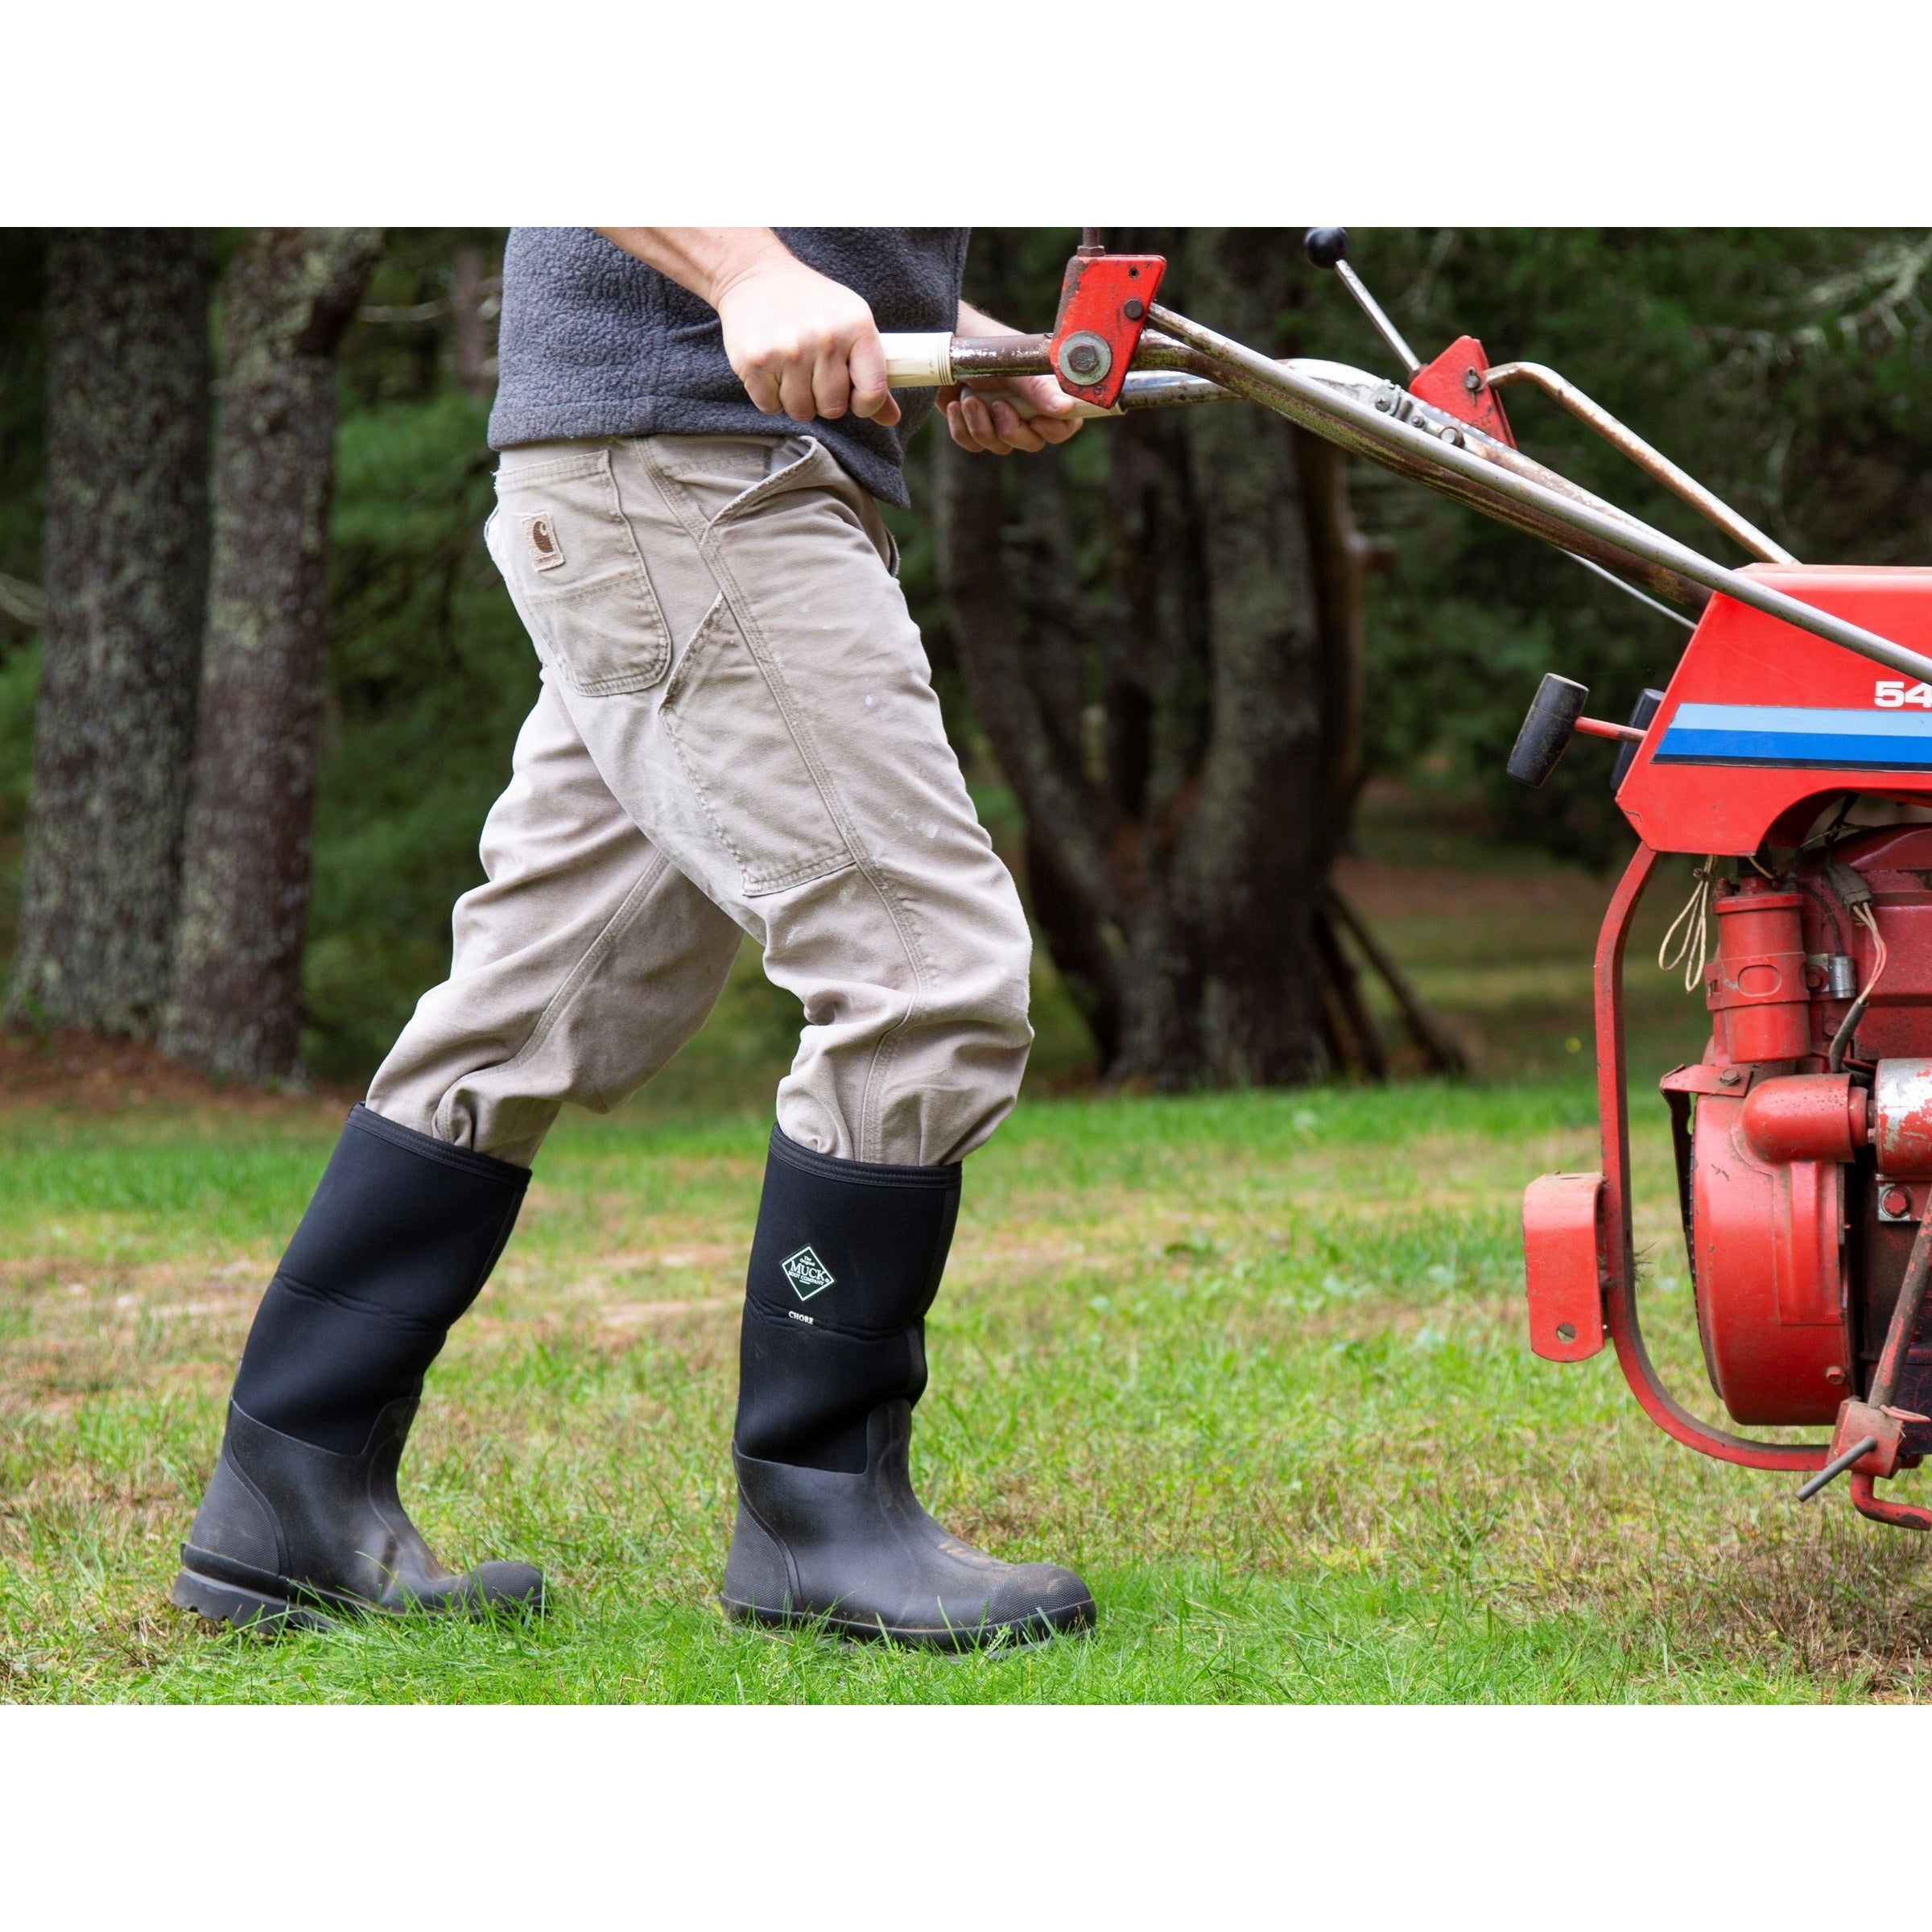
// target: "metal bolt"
[[1896, 1202], [1836, 1377], [1472, 381], [1729, 1077], [1135, 310], [1086, 357]]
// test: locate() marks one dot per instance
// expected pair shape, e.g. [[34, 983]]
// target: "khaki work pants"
[[736, 732]]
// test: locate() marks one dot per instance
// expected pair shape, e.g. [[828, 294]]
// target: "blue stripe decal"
[[1793, 734]]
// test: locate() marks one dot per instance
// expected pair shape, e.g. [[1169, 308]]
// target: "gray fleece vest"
[[595, 344]]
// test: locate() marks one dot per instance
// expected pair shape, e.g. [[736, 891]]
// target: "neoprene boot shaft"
[[398, 1241], [845, 1262]]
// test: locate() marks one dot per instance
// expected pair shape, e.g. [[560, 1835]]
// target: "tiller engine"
[[1803, 1137]]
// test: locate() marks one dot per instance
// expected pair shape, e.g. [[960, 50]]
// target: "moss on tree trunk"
[[287, 298], [125, 572]]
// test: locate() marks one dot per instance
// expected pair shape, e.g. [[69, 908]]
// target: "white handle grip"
[[918, 361]]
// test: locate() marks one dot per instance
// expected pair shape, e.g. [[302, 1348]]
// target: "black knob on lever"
[[1326, 246], [1545, 737]]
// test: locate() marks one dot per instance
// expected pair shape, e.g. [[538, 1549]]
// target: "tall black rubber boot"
[[845, 1263], [301, 1516]]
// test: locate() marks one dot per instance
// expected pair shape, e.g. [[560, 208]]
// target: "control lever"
[[1328, 248], [1555, 713]]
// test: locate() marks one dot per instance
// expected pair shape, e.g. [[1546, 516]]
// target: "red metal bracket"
[[1860, 1422], [1562, 1266], [1104, 304], [1898, 1516], [1454, 383]]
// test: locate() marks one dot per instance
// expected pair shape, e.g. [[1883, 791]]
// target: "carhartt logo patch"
[[807, 1273], [546, 551]]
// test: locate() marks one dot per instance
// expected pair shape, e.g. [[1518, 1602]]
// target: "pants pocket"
[[570, 559], [745, 761]]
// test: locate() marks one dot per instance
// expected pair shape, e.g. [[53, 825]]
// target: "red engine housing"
[[1805, 1186]]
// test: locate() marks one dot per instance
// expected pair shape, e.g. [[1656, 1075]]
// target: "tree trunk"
[[237, 1005], [466, 314], [124, 578], [1169, 670]]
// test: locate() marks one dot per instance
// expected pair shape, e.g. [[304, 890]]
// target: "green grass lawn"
[[1254, 1363]]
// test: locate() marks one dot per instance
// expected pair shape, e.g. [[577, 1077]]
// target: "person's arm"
[[979, 420], [800, 342]]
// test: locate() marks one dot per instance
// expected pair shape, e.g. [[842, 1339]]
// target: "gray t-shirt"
[[595, 344]]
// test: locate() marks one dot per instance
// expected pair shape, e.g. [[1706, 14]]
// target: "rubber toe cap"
[[506, 1586], [1044, 1594]]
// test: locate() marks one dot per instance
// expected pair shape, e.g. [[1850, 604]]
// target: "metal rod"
[[1836, 1467], [1899, 1334], [1372, 309], [1414, 458], [1473, 479], [1150, 389], [1630, 590], [1653, 463], [998, 356], [1905, 1318]]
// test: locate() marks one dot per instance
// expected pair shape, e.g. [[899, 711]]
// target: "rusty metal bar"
[[1365, 431], [999, 356], [1905, 1315], [1522, 501], [1652, 462]]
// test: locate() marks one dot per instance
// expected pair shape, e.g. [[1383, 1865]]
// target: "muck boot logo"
[[807, 1273]]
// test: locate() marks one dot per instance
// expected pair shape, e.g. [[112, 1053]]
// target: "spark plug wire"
[[1842, 1039]]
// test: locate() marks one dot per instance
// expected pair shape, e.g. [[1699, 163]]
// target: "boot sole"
[[1018, 1633], [251, 1610], [267, 1613]]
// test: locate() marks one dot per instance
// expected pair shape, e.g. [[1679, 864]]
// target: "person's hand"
[[801, 343], [982, 417]]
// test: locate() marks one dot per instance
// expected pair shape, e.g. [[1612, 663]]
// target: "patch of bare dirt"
[[82, 1073]]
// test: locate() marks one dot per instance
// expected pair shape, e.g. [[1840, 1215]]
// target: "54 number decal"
[[1893, 694]]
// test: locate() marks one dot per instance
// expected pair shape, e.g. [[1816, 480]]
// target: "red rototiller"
[[1803, 1138]]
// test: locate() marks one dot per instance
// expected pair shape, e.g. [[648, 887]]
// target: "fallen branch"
[[1441, 1053]]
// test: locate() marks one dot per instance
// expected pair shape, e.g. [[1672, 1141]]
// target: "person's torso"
[[594, 343]]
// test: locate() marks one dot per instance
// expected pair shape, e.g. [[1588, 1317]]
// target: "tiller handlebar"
[[1803, 1138]]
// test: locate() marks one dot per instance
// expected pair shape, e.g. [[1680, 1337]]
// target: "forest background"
[[1786, 367]]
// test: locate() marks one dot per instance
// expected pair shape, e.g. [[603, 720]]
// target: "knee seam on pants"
[[613, 930]]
